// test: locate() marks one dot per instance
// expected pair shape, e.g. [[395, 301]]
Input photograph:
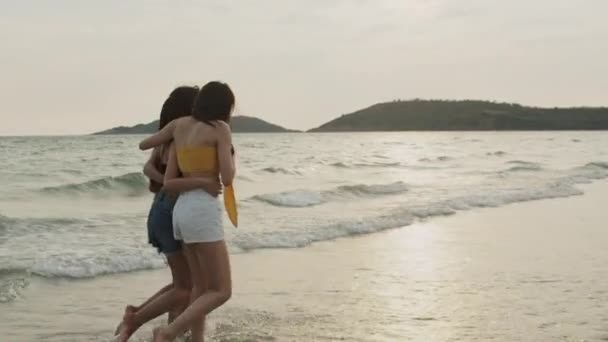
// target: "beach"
[[427, 171], [533, 271]]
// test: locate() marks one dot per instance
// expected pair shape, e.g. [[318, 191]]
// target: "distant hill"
[[427, 115], [248, 124], [239, 124]]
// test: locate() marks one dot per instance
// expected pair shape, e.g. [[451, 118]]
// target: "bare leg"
[[154, 296], [175, 298], [214, 257], [181, 277], [199, 286]]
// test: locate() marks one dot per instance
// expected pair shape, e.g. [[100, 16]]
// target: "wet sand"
[[535, 271]]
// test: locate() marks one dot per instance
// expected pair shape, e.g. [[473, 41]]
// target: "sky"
[[75, 67]]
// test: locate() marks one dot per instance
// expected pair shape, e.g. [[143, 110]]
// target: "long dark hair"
[[214, 102], [177, 105]]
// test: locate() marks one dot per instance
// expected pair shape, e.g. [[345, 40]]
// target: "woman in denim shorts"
[[174, 297]]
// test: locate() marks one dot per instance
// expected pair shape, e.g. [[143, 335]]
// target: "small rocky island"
[[239, 124], [438, 115]]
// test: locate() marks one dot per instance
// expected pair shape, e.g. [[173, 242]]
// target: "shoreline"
[[532, 271]]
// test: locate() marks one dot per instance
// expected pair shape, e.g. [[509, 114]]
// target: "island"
[[466, 115], [239, 124]]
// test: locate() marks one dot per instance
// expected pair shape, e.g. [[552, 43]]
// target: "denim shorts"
[[160, 224]]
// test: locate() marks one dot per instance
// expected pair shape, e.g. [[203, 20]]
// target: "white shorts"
[[197, 217]]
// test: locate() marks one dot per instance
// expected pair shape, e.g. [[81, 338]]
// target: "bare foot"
[[129, 310], [127, 327], [160, 335]]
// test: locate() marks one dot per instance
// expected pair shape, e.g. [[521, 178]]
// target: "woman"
[[174, 297], [202, 151]]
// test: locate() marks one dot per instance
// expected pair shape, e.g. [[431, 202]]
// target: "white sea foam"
[[297, 198], [306, 198], [281, 170], [77, 265], [403, 216], [12, 282]]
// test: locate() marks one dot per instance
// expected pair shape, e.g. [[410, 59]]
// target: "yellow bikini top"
[[195, 159]]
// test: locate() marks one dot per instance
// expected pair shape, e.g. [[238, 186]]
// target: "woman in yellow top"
[[201, 151]]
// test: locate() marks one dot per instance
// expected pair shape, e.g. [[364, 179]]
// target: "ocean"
[[75, 207]]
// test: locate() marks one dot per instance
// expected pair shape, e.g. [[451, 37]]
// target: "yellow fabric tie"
[[230, 204]]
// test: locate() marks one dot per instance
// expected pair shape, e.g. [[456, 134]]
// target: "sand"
[[535, 271]]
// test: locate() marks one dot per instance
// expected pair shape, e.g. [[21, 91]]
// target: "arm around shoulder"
[[163, 136]]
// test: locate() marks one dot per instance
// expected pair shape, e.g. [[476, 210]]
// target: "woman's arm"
[[225, 155], [163, 136], [150, 169], [173, 182], [172, 171], [213, 188]]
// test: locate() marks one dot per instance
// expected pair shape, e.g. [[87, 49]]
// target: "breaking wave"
[[306, 198], [343, 165], [130, 184], [406, 215], [280, 170], [520, 165]]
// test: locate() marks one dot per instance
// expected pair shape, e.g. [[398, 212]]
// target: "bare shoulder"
[[222, 131], [222, 125], [181, 121]]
